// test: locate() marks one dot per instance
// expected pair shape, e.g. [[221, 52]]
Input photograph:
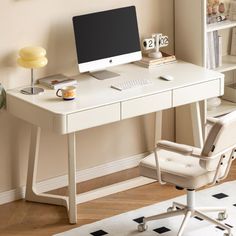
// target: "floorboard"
[[26, 218]]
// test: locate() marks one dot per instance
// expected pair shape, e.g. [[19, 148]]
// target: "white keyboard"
[[129, 84]]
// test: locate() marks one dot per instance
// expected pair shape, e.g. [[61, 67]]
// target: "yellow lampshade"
[[32, 53], [31, 58], [40, 62]]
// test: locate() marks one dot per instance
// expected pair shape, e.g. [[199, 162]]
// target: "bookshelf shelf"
[[221, 25], [228, 63], [224, 108]]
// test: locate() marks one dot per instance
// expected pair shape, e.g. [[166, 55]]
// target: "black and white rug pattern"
[[126, 224]]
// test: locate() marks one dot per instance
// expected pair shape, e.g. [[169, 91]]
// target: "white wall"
[[48, 24]]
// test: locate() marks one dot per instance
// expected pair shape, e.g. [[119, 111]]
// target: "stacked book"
[[57, 81], [214, 50], [148, 62]]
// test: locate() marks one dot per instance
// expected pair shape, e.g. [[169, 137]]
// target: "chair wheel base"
[[222, 216], [142, 227]]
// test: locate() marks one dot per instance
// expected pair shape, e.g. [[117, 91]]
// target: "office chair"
[[191, 168]]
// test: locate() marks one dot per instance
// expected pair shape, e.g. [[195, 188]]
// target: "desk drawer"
[[196, 92], [144, 105], [93, 117]]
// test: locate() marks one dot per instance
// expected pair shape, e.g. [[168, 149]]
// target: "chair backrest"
[[221, 137]]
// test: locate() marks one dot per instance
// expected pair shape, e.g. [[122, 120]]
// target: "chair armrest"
[[197, 154], [184, 150], [175, 147]]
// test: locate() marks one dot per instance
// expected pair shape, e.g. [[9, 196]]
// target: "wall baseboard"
[[81, 176]]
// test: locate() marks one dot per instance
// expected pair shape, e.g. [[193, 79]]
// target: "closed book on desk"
[[148, 62], [57, 81]]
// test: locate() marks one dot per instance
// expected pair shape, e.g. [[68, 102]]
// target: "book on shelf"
[[220, 50], [57, 81], [149, 62], [214, 50]]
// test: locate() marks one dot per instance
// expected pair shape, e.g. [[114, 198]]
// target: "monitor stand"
[[103, 74]]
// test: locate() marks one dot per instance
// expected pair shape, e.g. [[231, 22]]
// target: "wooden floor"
[[25, 218]]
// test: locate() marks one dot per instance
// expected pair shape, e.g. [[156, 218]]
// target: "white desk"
[[98, 104]]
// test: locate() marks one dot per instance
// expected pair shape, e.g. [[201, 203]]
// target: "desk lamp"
[[32, 58]]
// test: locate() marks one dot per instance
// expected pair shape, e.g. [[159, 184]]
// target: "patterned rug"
[[126, 224]]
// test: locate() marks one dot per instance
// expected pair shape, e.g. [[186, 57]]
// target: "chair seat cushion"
[[177, 169]]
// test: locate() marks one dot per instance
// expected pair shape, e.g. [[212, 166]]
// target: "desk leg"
[[196, 124], [72, 177], [71, 201], [158, 127], [32, 163], [31, 193]]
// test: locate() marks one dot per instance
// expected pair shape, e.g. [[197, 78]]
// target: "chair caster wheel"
[[228, 234], [222, 216], [142, 227]]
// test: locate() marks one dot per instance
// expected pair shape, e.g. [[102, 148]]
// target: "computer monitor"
[[105, 39]]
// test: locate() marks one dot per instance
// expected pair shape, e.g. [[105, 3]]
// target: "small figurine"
[[211, 2], [221, 18], [214, 9], [221, 8], [209, 10]]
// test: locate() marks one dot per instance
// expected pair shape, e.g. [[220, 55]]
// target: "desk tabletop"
[[93, 93]]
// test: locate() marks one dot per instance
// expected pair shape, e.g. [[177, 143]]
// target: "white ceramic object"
[[212, 103]]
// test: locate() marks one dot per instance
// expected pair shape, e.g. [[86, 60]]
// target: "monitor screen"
[[106, 38]]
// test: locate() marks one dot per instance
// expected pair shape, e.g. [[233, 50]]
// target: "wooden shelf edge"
[[228, 64], [220, 26]]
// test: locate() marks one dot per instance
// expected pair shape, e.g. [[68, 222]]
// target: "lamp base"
[[32, 90]]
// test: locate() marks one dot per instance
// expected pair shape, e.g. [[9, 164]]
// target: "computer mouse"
[[167, 77]]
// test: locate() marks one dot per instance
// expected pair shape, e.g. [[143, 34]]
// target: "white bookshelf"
[[228, 63], [191, 30]]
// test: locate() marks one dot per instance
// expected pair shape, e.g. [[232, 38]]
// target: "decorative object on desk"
[[230, 92], [67, 92], [155, 43], [2, 97], [126, 223], [213, 103], [57, 81], [32, 58], [148, 62]]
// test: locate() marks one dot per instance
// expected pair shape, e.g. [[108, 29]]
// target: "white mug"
[[67, 92]]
